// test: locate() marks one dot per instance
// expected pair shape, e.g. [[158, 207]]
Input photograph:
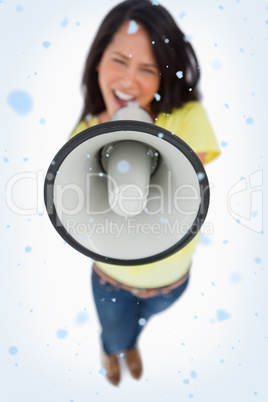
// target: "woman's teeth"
[[122, 96]]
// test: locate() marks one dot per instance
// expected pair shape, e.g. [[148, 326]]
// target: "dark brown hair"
[[170, 47]]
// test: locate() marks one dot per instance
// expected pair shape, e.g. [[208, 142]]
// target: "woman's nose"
[[129, 78]]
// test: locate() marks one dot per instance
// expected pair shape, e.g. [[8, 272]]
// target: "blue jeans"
[[123, 315]]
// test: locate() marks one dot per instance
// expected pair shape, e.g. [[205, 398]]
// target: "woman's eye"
[[148, 71], [118, 61]]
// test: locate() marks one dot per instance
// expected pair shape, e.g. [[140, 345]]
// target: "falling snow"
[[222, 315], [132, 27], [13, 350], [46, 44], [61, 333], [157, 97], [20, 101]]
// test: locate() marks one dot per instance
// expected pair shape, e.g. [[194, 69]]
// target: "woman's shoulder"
[[190, 122], [185, 109], [89, 121], [178, 116]]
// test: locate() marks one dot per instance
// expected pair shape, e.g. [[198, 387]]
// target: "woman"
[[140, 54]]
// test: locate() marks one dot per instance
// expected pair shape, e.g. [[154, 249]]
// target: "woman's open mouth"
[[122, 98]]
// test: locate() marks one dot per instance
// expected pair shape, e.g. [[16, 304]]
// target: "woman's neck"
[[103, 117]]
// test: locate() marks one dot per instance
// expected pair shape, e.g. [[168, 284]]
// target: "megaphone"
[[127, 192]]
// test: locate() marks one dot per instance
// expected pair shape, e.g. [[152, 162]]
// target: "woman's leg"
[[118, 314], [151, 306], [123, 316]]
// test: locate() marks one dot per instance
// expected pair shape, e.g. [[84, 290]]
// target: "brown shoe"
[[111, 366], [134, 362]]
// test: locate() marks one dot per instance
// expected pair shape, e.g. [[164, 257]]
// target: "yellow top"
[[191, 124]]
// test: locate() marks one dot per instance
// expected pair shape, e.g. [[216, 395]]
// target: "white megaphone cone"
[[130, 164], [127, 192]]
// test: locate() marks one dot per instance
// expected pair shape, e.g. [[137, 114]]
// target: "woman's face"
[[128, 69]]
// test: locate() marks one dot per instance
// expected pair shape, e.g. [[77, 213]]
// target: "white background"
[[210, 346]]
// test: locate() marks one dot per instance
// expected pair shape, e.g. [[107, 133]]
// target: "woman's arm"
[[202, 157]]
